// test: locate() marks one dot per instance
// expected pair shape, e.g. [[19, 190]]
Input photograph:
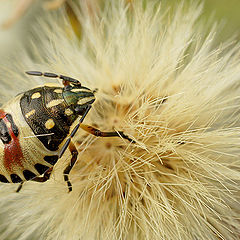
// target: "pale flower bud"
[[162, 82]]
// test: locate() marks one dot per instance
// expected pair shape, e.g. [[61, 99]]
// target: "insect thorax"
[[48, 115]]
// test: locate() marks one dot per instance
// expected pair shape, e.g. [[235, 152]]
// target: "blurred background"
[[225, 12], [17, 16]]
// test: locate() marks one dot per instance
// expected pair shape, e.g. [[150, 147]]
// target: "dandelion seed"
[[22, 6], [39, 135], [173, 93]]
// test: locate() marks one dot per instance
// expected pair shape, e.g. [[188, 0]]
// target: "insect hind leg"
[[19, 187], [44, 178]]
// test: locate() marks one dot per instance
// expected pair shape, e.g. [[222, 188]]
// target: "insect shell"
[[34, 125]]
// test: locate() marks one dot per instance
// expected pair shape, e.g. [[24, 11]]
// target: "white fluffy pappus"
[[161, 81]]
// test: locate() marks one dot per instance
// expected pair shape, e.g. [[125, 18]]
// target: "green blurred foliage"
[[225, 12]]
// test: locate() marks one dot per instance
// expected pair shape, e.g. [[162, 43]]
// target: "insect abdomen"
[[22, 155]]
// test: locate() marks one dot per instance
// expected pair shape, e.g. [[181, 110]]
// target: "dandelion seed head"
[[171, 92]]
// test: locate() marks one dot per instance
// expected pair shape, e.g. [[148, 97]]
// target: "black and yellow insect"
[[47, 113]]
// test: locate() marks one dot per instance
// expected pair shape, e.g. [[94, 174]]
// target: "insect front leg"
[[96, 132], [67, 170]]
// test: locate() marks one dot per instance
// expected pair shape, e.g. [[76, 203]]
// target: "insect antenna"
[[66, 79]]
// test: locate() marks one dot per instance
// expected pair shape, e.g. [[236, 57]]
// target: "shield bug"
[[47, 113]]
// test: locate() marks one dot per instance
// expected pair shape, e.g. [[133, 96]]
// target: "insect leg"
[[96, 132], [19, 187], [65, 146], [44, 178], [67, 170], [72, 148]]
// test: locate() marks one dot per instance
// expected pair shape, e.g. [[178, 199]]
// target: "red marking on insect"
[[13, 155]]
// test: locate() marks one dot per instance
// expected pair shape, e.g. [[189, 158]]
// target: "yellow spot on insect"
[[51, 85], [27, 115], [58, 90], [54, 102], [77, 90], [85, 100], [36, 95], [49, 123], [68, 112], [8, 124]]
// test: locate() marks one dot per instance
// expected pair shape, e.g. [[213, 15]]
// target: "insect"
[[46, 113]]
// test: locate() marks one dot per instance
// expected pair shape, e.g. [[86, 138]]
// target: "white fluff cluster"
[[161, 81]]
